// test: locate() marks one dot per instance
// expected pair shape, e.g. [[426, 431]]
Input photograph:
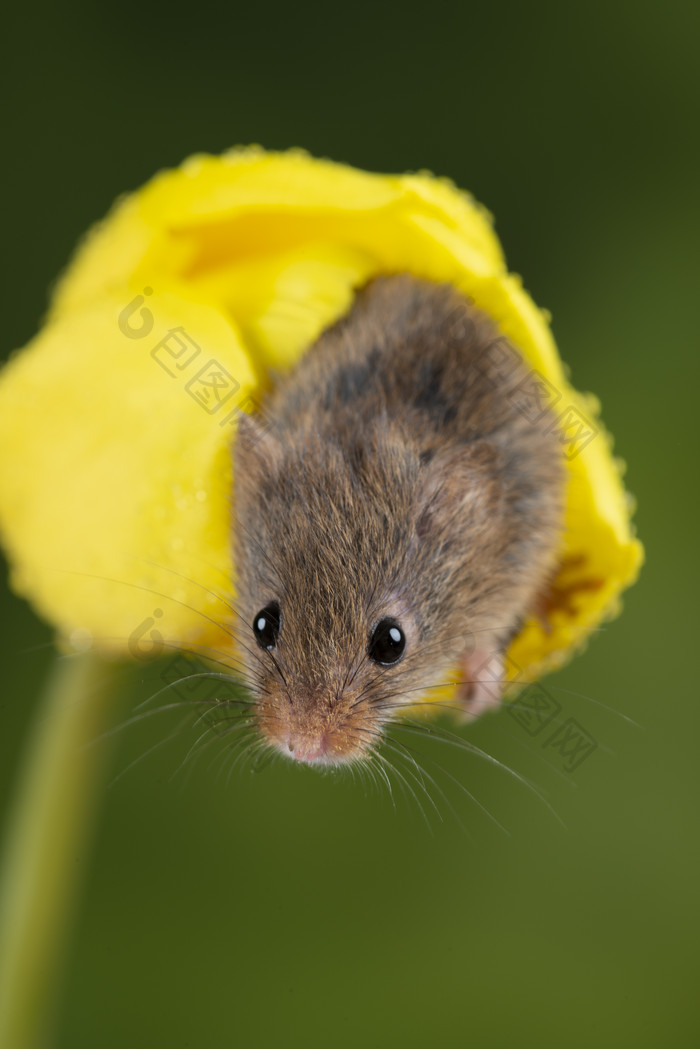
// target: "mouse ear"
[[459, 487], [255, 453]]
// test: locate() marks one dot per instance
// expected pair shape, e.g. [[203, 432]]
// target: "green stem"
[[47, 839]]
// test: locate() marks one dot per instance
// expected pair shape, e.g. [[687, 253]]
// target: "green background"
[[285, 907]]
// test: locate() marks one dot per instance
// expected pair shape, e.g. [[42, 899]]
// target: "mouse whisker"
[[207, 675], [265, 757], [405, 785], [361, 696], [511, 703], [397, 747], [128, 722], [597, 703], [187, 579], [457, 709], [410, 754], [369, 777], [410, 776], [452, 739], [385, 777], [148, 751], [235, 665], [150, 590], [378, 746], [192, 649], [196, 650], [499, 725], [238, 753], [283, 678], [239, 745], [213, 724], [347, 683], [467, 792], [202, 743]]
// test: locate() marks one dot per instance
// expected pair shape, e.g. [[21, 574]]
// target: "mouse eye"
[[266, 626], [387, 642]]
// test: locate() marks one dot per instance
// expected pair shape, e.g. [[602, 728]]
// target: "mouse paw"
[[481, 683]]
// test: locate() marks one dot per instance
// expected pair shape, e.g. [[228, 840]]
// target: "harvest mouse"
[[396, 515]]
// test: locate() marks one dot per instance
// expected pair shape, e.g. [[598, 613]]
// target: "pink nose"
[[303, 750]]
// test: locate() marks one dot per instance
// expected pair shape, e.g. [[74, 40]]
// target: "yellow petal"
[[114, 503], [251, 254]]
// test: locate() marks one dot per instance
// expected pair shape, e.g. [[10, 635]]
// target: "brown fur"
[[397, 478]]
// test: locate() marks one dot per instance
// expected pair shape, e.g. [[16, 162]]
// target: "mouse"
[[395, 517]]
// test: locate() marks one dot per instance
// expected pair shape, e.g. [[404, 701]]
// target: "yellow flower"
[[116, 420]]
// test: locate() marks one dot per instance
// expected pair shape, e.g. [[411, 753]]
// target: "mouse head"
[[356, 589]]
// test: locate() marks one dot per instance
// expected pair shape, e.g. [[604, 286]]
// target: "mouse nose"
[[308, 750]]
